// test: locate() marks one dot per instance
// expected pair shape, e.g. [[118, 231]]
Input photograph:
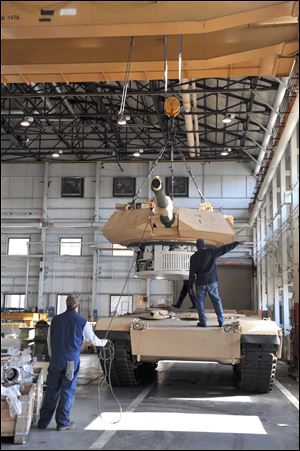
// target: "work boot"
[[201, 325], [69, 426]]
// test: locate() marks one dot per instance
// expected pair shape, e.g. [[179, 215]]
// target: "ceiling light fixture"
[[228, 149], [137, 154], [224, 153], [226, 120], [26, 121], [121, 119], [55, 155]]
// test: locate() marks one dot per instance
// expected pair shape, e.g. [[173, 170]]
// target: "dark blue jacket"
[[66, 335], [203, 264]]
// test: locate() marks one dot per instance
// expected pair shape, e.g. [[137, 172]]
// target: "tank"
[[163, 238]]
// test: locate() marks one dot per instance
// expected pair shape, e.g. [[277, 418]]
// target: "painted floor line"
[[107, 435], [288, 394]]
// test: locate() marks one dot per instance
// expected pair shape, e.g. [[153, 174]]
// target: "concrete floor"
[[190, 406]]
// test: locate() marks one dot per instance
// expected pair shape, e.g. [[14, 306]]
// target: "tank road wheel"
[[257, 367], [125, 371]]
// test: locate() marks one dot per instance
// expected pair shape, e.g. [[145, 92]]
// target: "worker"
[[65, 338], [203, 265], [183, 294]]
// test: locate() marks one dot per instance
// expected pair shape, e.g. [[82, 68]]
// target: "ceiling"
[[64, 65], [81, 120]]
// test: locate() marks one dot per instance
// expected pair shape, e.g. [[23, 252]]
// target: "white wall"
[[228, 186]]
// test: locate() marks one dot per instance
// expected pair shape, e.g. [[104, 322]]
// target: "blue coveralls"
[[66, 334]]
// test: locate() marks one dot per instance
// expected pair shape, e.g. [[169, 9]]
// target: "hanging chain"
[[147, 178], [189, 170], [126, 78], [166, 63], [179, 61]]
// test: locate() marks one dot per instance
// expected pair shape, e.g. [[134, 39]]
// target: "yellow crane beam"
[[88, 41]]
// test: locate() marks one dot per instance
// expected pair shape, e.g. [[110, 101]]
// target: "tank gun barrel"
[[164, 203]]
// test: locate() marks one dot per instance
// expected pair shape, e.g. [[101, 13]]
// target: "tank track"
[[257, 368], [125, 372]]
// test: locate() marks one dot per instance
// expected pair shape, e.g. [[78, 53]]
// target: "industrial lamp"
[[228, 118], [26, 121]]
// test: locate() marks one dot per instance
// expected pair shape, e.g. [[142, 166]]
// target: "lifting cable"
[[189, 170], [126, 78], [107, 353], [147, 177]]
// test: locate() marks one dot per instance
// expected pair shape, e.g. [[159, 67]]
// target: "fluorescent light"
[[122, 120], [137, 154], [226, 120], [55, 155], [26, 121], [224, 153]]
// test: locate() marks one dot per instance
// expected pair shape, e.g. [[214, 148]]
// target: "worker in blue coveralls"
[[65, 338], [203, 266]]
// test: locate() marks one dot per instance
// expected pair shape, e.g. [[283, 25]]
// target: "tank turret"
[[163, 204], [158, 222]]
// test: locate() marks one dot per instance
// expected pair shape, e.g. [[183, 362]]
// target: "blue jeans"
[[213, 293], [60, 392]]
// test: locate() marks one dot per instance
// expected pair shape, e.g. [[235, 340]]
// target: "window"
[[70, 246], [123, 307], [118, 250], [14, 301], [72, 187], [61, 303], [123, 186], [18, 246], [180, 187]]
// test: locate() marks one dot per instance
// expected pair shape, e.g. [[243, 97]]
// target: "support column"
[[294, 156], [269, 260], [258, 264], [264, 300], [41, 301], [255, 284], [284, 250], [96, 253], [275, 222], [148, 282]]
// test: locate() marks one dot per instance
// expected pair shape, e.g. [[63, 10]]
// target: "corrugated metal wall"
[[227, 185]]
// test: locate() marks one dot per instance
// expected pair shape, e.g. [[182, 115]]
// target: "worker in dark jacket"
[[203, 266], [65, 338]]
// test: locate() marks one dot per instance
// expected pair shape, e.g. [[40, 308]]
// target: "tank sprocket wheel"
[[125, 372], [257, 368]]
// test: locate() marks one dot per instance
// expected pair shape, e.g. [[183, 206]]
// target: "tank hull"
[[250, 345]]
